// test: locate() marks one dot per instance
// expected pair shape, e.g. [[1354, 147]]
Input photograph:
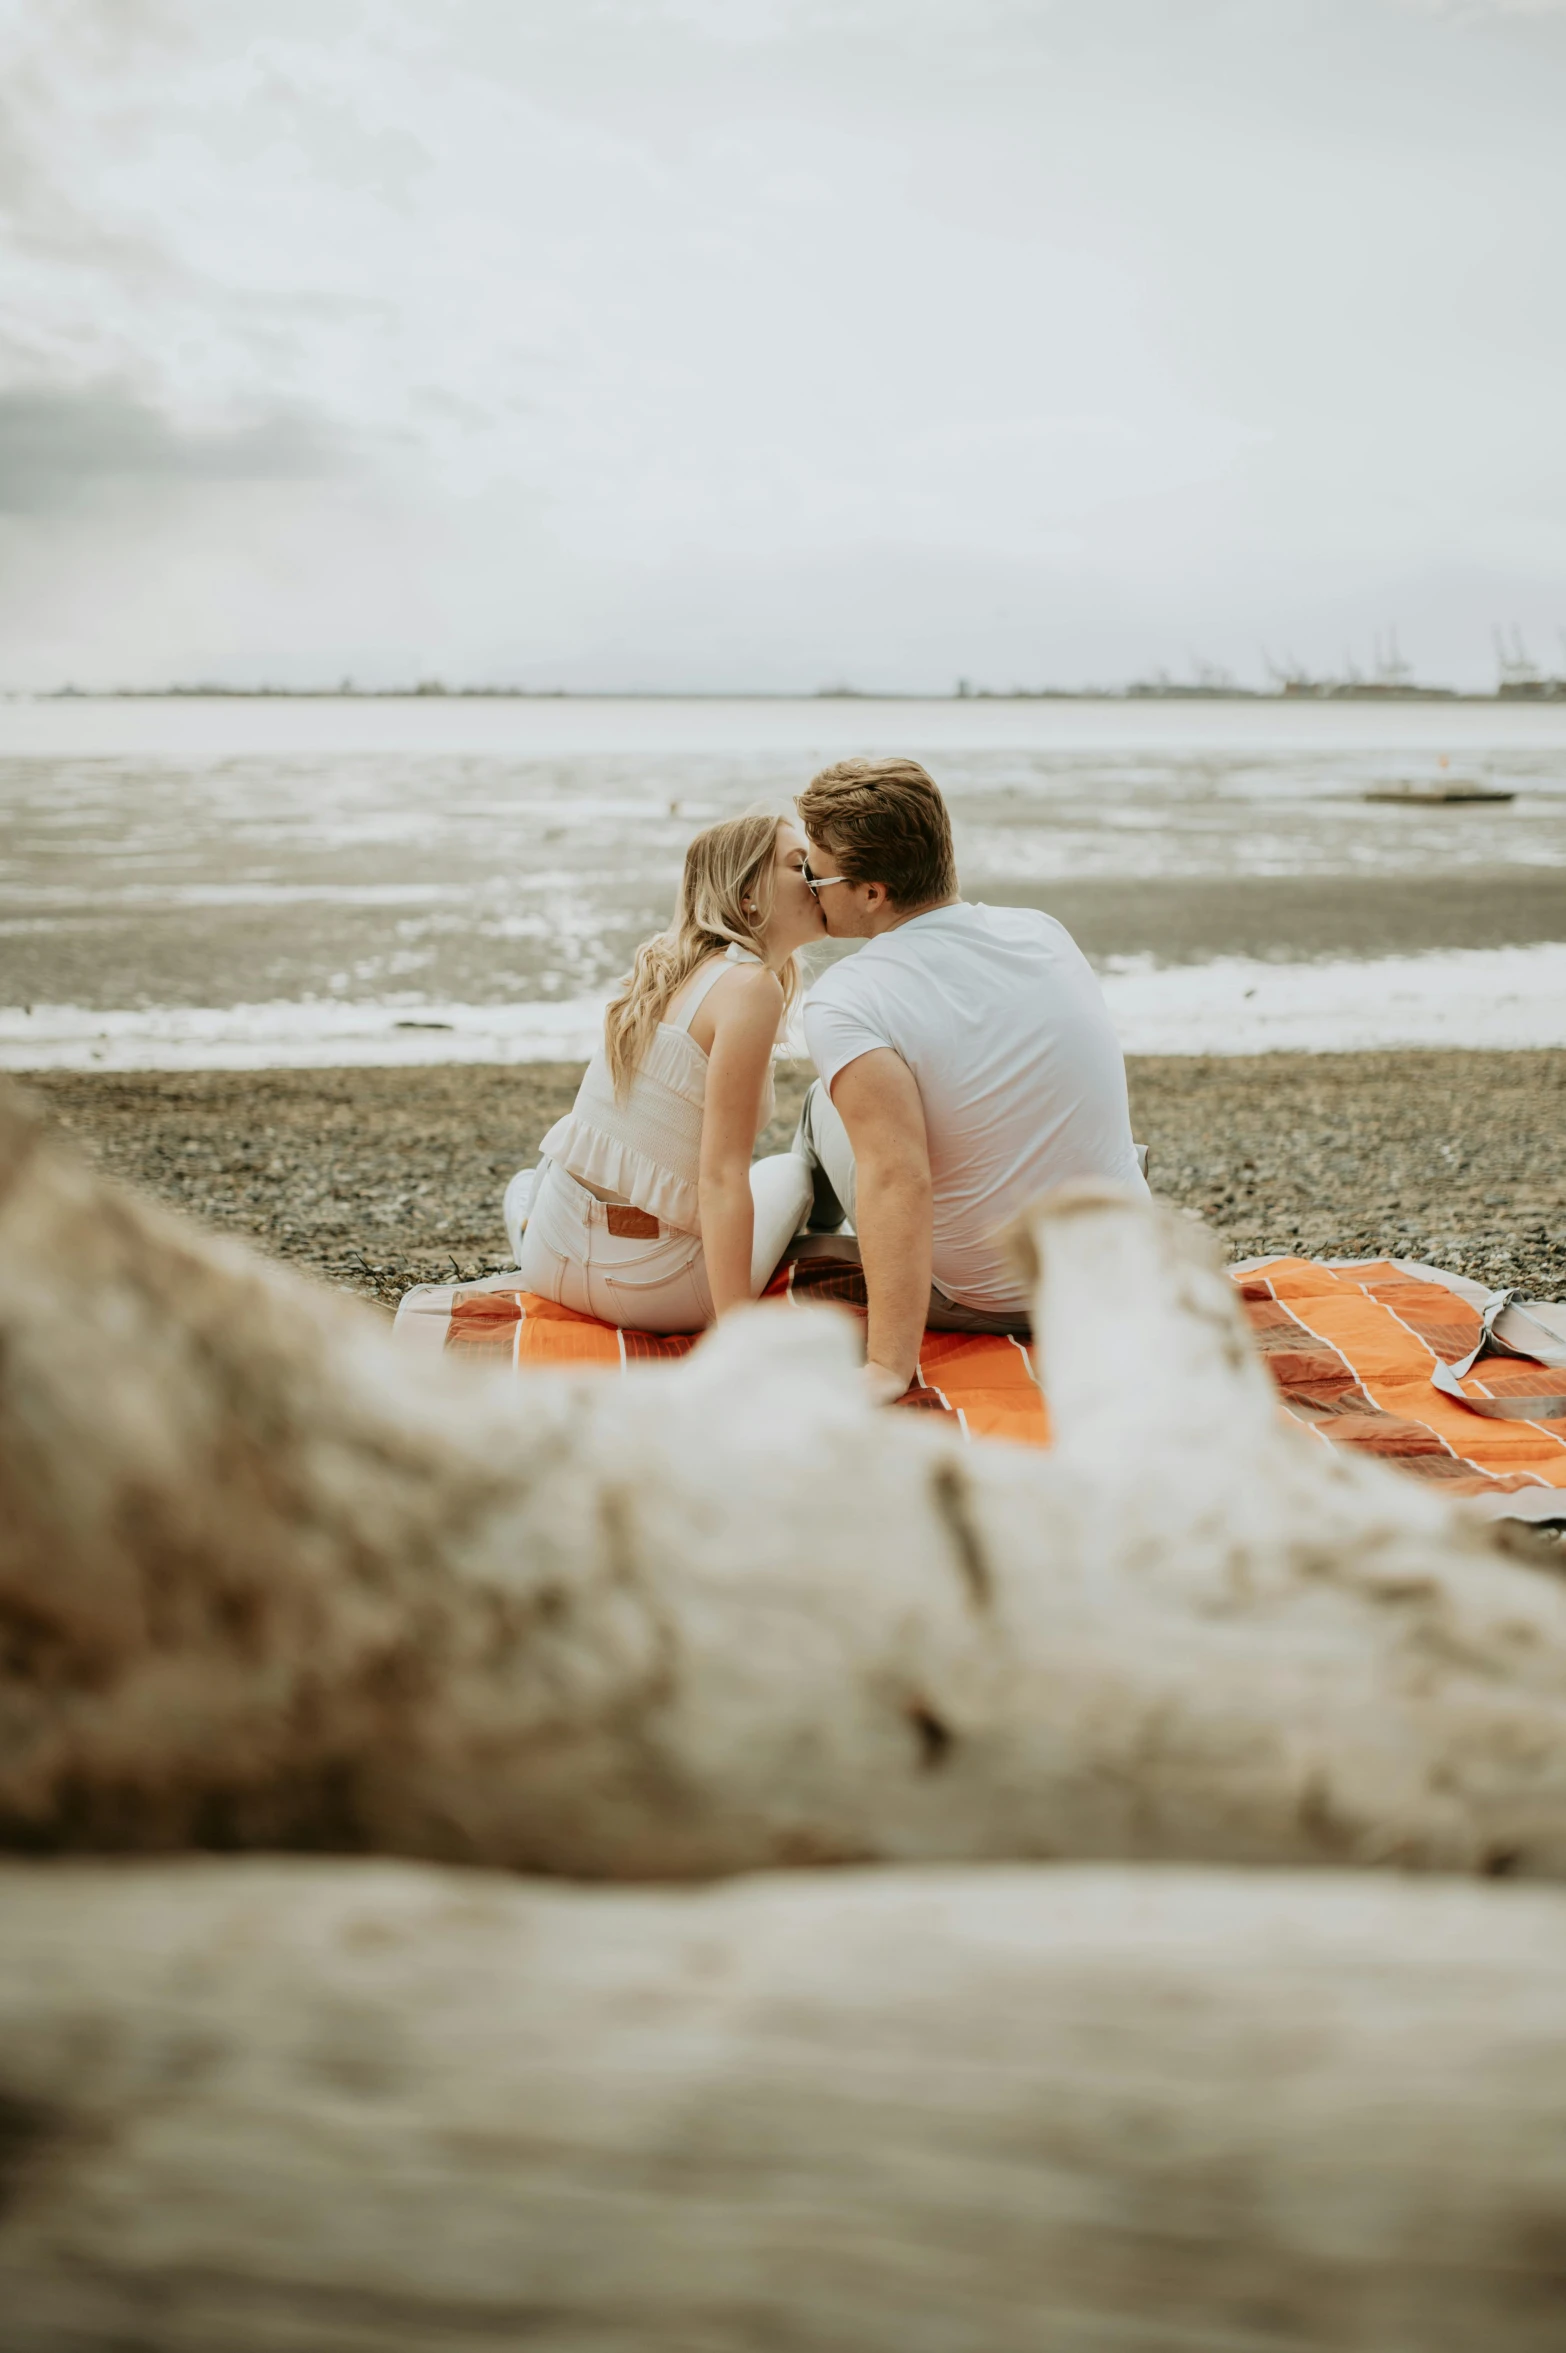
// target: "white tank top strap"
[[709, 975]]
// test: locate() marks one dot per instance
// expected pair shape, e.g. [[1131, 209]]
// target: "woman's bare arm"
[[747, 1005]]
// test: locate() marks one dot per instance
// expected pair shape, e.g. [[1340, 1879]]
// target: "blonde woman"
[[647, 1212]]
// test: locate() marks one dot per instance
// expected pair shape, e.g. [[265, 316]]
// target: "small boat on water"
[[1440, 792]]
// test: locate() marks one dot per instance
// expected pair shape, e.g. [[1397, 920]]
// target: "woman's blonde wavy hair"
[[724, 866]]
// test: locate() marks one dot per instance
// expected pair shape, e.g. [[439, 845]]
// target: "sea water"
[[243, 882]]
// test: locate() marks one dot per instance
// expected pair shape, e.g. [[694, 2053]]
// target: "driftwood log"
[[264, 1582], [389, 2108]]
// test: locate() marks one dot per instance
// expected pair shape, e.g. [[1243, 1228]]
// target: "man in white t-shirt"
[[966, 1059]]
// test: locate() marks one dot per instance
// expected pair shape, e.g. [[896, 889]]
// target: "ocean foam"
[[1484, 997], [1474, 997]]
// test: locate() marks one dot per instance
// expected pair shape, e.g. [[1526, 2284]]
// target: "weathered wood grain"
[[266, 1583], [385, 2108]]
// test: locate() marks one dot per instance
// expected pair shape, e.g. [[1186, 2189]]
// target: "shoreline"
[[1544, 689], [376, 1179], [1188, 965]]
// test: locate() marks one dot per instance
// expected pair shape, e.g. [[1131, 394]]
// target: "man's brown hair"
[[884, 821]]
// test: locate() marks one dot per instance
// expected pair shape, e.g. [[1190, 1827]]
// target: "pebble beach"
[[375, 1179]]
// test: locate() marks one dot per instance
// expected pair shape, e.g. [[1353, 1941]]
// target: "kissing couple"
[[965, 1064]]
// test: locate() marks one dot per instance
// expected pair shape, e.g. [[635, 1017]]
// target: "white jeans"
[[569, 1255]]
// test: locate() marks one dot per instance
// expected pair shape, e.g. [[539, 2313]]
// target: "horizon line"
[[1543, 690]]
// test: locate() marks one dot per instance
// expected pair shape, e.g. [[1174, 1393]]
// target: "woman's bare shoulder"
[[749, 985], [749, 997]]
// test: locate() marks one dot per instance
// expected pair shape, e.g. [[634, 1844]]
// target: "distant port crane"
[[1521, 679], [1389, 675]]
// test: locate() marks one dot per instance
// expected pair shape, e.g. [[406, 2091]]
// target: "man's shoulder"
[[844, 982], [915, 957], [1025, 938], [970, 927], [1014, 923], [852, 1004]]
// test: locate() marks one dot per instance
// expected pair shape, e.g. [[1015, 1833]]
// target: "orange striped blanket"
[[1351, 1346]]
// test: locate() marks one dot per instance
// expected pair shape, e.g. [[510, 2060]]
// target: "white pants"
[[656, 1284]]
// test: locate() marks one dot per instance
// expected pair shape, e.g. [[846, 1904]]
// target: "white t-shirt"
[[997, 1013]]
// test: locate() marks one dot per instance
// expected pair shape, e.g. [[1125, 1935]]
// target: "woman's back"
[[651, 1210], [646, 1148]]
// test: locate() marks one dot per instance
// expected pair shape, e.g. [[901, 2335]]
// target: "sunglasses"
[[820, 882]]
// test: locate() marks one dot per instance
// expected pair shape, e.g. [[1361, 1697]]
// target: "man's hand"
[[883, 1386], [878, 1102]]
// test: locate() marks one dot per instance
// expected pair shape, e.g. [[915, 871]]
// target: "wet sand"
[[378, 1179], [102, 956], [1186, 920]]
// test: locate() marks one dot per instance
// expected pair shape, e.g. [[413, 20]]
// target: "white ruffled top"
[[647, 1150]]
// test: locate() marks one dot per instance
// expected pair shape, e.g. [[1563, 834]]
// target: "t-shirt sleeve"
[[838, 1033]]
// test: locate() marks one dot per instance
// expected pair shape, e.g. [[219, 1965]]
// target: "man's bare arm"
[[878, 1102]]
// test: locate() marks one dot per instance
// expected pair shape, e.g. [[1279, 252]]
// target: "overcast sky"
[[724, 343]]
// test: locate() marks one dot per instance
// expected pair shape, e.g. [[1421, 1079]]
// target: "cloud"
[[1474, 11], [599, 313], [58, 449]]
